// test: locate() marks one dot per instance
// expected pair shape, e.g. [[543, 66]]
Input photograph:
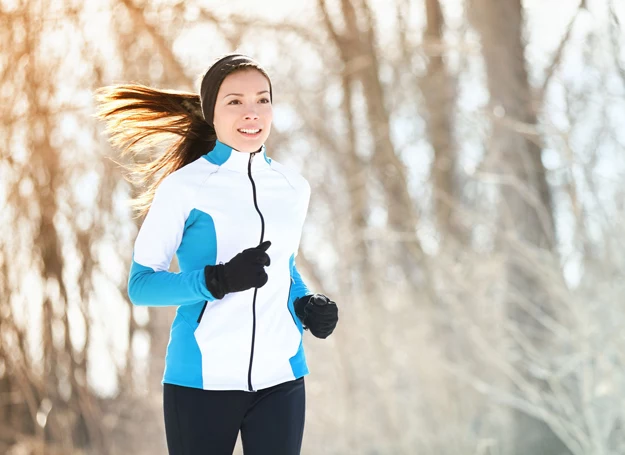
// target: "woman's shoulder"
[[188, 177], [193, 172], [292, 175]]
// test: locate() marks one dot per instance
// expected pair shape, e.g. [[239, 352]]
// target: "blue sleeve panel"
[[147, 287], [171, 228], [298, 287]]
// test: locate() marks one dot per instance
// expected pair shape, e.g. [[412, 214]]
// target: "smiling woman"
[[235, 360], [243, 120]]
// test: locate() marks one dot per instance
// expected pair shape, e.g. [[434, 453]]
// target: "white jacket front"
[[206, 213]]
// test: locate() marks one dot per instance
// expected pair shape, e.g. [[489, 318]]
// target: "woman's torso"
[[241, 340]]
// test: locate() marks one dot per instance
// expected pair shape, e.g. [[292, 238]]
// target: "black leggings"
[[207, 422]]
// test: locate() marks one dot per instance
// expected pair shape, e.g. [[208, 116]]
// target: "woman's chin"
[[248, 148], [248, 145]]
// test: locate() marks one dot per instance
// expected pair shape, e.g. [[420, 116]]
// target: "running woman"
[[233, 217]]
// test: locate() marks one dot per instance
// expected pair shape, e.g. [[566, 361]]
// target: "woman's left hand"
[[318, 313]]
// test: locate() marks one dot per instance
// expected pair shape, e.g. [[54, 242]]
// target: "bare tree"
[[464, 263], [439, 92]]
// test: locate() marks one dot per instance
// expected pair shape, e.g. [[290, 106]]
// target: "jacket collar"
[[225, 156]]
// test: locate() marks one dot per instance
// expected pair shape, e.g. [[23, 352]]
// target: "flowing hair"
[[139, 117]]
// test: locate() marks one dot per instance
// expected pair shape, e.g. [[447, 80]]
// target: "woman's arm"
[[150, 283], [148, 287]]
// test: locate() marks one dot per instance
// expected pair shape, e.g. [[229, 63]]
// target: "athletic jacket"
[[206, 213]]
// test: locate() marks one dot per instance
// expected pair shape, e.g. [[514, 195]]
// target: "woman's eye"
[[264, 100], [235, 102]]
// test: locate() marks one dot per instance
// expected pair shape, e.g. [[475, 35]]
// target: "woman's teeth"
[[246, 131]]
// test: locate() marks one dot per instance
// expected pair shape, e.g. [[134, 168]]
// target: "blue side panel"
[[197, 250], [183, 362], [198, 247], [298, 289], [298, 362]]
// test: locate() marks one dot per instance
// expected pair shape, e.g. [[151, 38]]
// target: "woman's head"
[[235, 95], [236, 100]]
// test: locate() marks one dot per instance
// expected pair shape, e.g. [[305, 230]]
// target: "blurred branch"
[[401, 8], [557, 59], [329, 25], [536, 407], [358, 51], [163, 47], [617, 31], [439, 91], [246, 23]]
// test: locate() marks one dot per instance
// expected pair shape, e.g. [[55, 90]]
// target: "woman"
[[233, 217]]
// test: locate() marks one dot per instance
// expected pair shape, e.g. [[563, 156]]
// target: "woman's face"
[[243, 111]]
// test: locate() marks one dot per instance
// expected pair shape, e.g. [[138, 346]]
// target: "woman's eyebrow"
[[241, 94]]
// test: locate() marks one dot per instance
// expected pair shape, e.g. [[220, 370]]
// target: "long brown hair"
[[139, 117]]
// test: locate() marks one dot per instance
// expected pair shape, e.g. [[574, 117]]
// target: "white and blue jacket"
[[205, 213]]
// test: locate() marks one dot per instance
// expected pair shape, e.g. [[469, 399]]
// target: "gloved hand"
[[244, 271], [318, 313]]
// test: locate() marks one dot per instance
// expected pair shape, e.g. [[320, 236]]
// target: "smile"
[[249, 132]]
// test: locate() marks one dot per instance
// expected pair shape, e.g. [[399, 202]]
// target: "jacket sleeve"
[[150, 283]]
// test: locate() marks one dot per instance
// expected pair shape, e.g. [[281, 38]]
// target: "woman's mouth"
[[247, 132]]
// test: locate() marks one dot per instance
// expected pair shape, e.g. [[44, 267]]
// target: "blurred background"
[[466, 159]]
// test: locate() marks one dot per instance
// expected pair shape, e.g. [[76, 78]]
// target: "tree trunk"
[[526, 216], [439, 92]]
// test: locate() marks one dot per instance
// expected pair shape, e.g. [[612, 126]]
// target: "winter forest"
[[466, 160]]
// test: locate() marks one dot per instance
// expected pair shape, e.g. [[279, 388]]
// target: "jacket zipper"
[[262, 236]]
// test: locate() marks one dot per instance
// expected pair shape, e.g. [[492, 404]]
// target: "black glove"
[[318, 313], [244, 271]]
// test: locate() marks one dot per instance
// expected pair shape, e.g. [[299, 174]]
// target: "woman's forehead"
[[249, 80]]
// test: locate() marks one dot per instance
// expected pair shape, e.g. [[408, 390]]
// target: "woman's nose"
[[251, 115]]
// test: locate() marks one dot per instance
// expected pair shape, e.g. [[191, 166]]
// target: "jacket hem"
[[225, 387]]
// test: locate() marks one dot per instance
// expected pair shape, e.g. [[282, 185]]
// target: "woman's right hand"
[[244, 271]]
